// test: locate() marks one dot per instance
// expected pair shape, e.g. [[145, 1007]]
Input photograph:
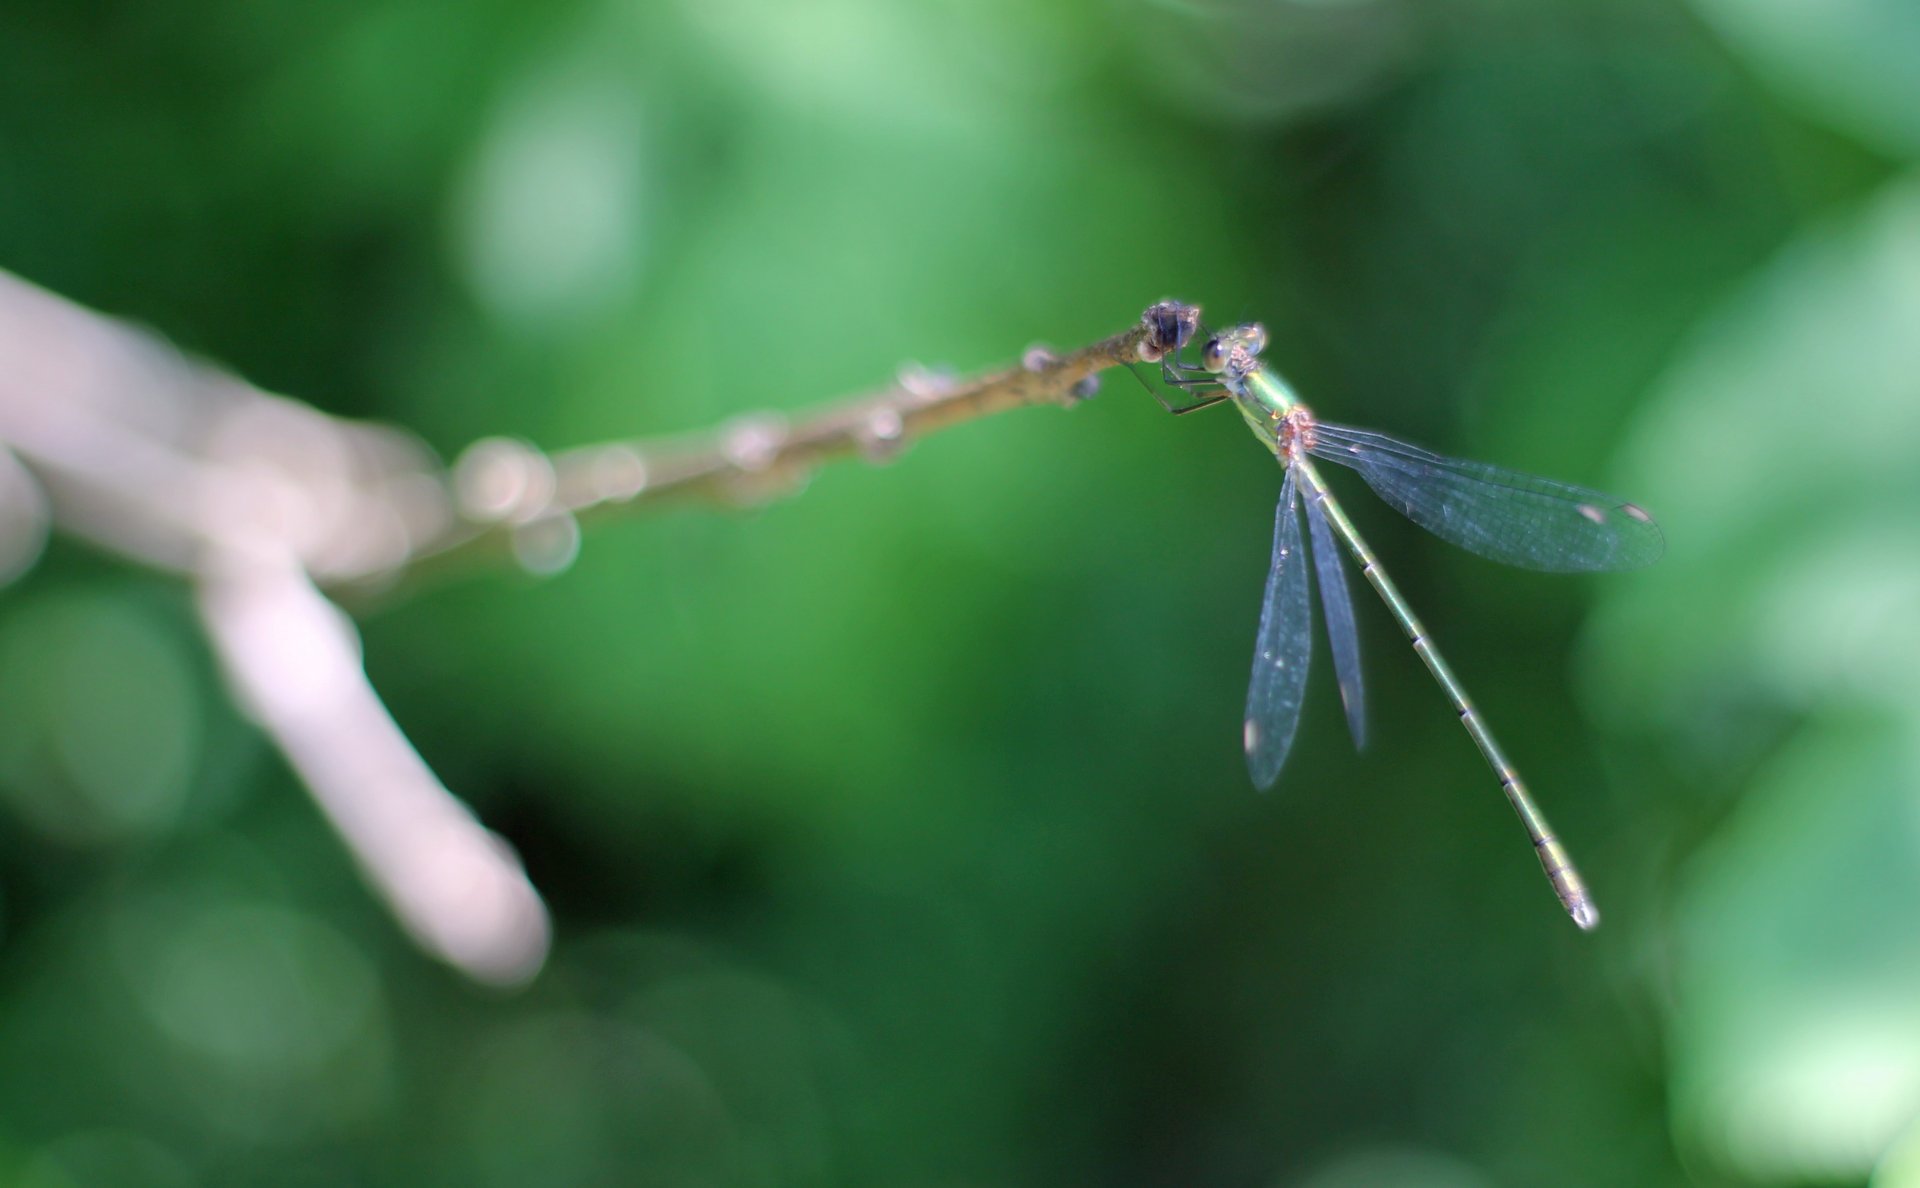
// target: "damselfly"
[[1515, 518]]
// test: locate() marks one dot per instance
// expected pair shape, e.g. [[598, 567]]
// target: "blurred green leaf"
[[1849, 62], [1777, 452]]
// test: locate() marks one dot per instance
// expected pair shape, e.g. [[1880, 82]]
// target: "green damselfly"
[[1515, 518]]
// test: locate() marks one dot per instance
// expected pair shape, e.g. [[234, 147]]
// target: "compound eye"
[[1254, 335], [1213, 356]]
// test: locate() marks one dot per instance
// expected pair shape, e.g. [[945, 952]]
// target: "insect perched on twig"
[[1514, 518]]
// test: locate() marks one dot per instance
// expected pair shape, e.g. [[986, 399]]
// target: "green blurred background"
[[898, 834]]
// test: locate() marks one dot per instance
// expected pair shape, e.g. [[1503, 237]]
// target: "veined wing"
[[1282, 649], [1336, 610], [1510, 517]]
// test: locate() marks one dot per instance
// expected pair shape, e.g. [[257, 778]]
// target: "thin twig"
[[515, 499]]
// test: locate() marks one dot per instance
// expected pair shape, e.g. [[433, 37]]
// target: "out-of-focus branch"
[[254, 499], [294, 661], [263, 503]]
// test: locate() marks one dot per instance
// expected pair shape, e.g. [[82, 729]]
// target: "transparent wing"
[[1518, 519], [1336, 610], [1281, 652]]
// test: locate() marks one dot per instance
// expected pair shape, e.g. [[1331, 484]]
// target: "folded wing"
[[1281, 650], [1336, 608]]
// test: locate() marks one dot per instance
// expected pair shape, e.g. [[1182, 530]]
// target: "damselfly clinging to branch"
[[1534, 523]]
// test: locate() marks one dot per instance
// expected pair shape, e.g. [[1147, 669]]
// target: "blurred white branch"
[[253, 499], [294, 660], [263, 503]]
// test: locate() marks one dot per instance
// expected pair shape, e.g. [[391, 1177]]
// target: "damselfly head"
[[1170, 325], [1234, 349]]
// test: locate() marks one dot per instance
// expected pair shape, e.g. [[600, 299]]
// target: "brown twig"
[[516, 500]]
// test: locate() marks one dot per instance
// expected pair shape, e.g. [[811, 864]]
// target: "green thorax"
[[1265, 400]]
